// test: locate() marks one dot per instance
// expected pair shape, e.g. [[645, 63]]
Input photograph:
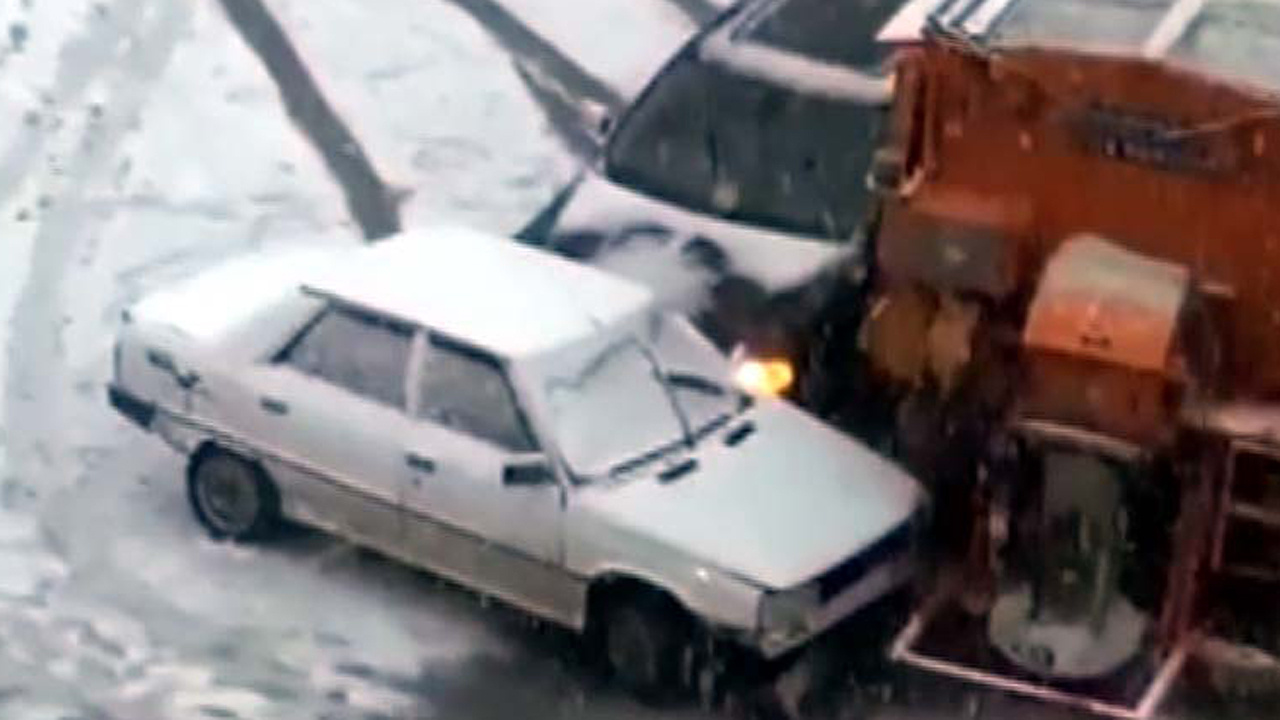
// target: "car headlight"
[[788, 613], [764, 377]]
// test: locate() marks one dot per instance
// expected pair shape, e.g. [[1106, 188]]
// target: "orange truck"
[[1075, 317]]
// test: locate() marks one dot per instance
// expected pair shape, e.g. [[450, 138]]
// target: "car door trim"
[[235, 441]]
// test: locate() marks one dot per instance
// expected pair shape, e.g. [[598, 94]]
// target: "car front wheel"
[[231, 497], [645, 637]]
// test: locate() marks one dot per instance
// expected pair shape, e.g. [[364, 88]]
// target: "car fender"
[[601, 553]]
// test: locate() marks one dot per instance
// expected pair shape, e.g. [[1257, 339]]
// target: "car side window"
[[468, 391], [359, 352]]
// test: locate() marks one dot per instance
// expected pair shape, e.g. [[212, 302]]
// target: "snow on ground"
[[634, 38], [148, 143], [158, 148], [436, 104], [245, 177], [28, 66]]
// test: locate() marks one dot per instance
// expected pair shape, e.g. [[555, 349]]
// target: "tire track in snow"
[[557, 83], [123, 53], [532, 50], [370, 201]]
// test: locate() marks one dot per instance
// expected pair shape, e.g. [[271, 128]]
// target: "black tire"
[[643, 638], [232, 497]]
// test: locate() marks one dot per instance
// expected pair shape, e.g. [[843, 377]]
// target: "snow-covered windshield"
[[739, 148], [637, 395]]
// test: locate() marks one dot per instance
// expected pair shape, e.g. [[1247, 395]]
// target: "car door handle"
[[274, 406], [420, 463]]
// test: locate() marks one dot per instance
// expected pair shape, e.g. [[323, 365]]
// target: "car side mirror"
[[528, 471]]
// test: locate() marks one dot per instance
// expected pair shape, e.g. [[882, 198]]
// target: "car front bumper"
[[133, 408], [880, 581]]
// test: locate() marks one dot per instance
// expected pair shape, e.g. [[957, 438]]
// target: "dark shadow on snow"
[[531, 49], [368, 198]]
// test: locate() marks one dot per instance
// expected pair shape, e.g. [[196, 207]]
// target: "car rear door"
[[331, 415], [483, 505]]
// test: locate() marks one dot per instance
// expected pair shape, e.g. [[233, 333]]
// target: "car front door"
[[483, 505], [331, 415]]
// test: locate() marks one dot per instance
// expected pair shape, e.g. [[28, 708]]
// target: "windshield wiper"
[[627, 466], [696, 383], [708, 386]]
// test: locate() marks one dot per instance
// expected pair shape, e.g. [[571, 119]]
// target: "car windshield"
[[638, 396], [742, 149]]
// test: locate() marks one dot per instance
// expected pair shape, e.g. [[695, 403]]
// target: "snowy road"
[[143, 140]]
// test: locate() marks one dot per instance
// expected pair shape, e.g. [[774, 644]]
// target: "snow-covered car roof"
[[503, 296], [1238, 39], [815, 46]]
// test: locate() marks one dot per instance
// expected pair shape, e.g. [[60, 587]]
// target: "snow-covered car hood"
[[785, 504], [647, 241]]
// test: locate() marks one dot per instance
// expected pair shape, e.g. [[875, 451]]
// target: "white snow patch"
[[25, 571], [48, 26], [364, 694], [242, 161], [437, 106], [62, 668], [28, 74], [246, 179], [167, 677], [20, 709], [678, 285], [15, 529], [222, 587], [244, 703]]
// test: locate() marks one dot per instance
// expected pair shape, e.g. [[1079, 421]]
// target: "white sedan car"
[[528, 426]]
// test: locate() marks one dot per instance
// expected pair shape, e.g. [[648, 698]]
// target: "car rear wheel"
[[231, 497], [644, 638]]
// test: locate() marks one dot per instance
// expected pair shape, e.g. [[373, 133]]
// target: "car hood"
[[789, 501], [659, 256]]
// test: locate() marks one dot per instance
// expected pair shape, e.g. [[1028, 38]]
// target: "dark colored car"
[[735, 184]]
